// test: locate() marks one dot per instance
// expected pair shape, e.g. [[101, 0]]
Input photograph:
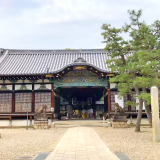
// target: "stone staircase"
[[77, 123]]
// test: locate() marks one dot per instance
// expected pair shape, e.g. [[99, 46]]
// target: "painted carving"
[[81, 81], [43, 87], [23, 87], [4, 88]]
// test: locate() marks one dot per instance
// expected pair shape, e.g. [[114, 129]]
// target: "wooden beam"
[[13, 98], [52, 95], [109, 100], [33, 99]]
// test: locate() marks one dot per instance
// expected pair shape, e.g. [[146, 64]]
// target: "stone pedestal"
[[41, 124], [119, 125], [119, 121]]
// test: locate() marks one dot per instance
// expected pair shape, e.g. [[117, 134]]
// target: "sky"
[[60, 24]]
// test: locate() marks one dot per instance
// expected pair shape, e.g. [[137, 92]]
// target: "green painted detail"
[[81, 82], [13, 81]]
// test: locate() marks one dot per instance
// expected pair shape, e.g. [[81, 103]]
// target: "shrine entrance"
[[81, 95], [85, 102]]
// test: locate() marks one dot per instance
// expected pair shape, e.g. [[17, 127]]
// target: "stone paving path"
[[81, 143]]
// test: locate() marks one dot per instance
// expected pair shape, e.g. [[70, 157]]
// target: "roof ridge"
[[56, 51]]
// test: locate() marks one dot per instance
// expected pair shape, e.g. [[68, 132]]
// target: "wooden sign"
[[110, 74], [79, 68], [49, 75]]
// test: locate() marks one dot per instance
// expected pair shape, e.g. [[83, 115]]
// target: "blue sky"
[[60, 24]]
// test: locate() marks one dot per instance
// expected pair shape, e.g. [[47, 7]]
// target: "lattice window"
[[125, 100], [113, 93], [43, 98], [21, 99], [5, 102]]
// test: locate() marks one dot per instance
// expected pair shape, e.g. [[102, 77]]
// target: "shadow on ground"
[[121, 156]]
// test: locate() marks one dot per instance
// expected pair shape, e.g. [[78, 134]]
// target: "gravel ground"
[[22, 142], [136, 146]]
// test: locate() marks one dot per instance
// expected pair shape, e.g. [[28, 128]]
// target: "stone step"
[[79, 123]]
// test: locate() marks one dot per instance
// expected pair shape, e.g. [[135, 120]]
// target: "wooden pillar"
[[33, 99], [13, 98], [52, 95], [109, 100]]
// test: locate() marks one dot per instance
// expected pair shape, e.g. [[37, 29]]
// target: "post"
[[27, 107], [131, 119], [52, 99], [103, 121], [13, 98], [10, 121], [30, 121], [155, 114], [33, 99], [27, 119], [109, 100]]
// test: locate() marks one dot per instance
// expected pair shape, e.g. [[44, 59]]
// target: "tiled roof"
[[30, 62]]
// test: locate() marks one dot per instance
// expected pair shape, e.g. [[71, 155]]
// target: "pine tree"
[[131, 67]]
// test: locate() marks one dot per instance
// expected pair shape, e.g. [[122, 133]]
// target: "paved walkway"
[[81, 143]]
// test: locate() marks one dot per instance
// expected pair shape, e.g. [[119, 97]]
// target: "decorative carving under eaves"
[[13, 81], [3, 88], [80, 82], [23, 87]]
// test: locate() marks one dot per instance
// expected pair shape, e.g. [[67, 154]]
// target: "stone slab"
[[41, 156], [81, 143]]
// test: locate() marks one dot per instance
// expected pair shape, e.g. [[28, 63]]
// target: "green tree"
[[131, 68], [144, 41]]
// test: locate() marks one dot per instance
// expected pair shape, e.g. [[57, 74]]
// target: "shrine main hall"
[[56, 78]]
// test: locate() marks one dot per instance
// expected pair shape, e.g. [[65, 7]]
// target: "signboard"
[[52, 109], [80, 68], [110, 74], [49, 75]]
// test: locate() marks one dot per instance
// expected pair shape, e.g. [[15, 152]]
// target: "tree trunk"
[[139, 116], [148, 112]]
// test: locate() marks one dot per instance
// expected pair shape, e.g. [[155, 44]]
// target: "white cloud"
[[65, 23], [59, 11]]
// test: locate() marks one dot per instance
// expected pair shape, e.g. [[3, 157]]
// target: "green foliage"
[[139, 69]]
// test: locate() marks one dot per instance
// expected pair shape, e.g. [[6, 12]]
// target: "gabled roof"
[[31, 62]]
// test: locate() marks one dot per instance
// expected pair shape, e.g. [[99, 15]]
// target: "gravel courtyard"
[[19, 142], [136, 146]]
